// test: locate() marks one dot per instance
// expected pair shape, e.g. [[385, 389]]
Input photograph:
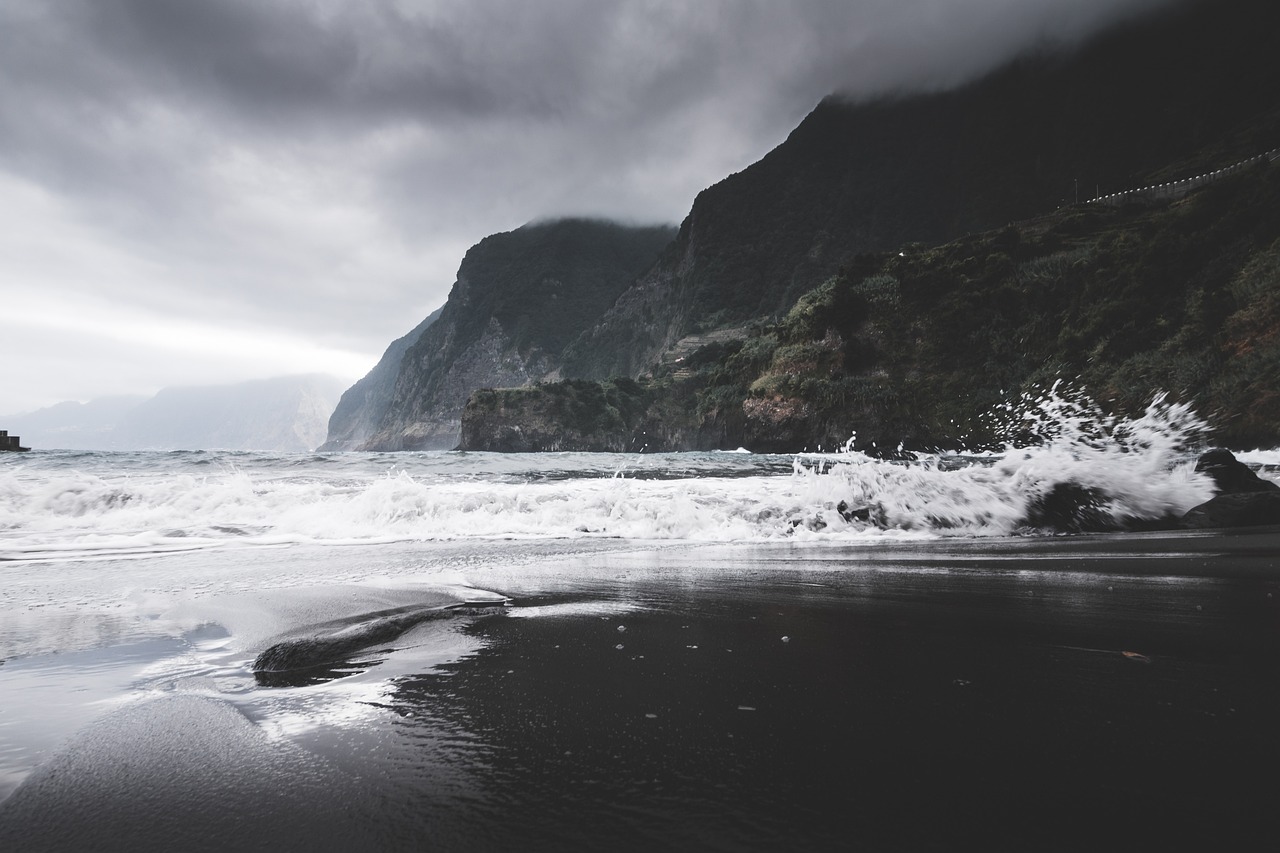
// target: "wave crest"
[[1127, 470]]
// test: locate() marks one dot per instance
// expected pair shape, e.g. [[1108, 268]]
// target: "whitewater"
[[79, 505], [227, 650]]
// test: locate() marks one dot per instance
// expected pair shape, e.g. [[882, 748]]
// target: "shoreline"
[[1052, 693]]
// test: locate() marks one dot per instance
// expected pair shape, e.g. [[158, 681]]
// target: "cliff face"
[[1128, 109], [519, 298], [364, 404], [850, 202], [925, 348], [572, 415]]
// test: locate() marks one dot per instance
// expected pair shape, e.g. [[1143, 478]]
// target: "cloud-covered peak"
[[308, 173]]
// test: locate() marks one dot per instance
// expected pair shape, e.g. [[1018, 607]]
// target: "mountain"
[[1188, 89], [364, 404], [905, 266], [947, 347], [519, 299], [285, 414], [282, 414], [76, 426], [708, 330]]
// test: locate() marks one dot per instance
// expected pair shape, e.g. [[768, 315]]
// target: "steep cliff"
[[575, 414], [925, 348], [1133, 106], [519, 298], [365, 403], [851, 201]]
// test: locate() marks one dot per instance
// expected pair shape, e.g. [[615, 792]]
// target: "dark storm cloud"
[[329, 62], [318, 167], [289, 61]]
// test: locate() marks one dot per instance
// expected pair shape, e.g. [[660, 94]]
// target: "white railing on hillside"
[[1177, 189]]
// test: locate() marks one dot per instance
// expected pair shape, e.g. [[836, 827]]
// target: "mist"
[[228, 190]]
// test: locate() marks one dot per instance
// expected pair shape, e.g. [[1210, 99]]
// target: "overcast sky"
[[206, 191]]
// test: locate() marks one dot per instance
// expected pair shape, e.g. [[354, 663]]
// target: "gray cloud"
[[313, 170]]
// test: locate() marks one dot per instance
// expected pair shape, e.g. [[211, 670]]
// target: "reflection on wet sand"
[[1105, 693]]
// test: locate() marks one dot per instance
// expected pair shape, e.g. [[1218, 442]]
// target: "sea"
[[214, 650]]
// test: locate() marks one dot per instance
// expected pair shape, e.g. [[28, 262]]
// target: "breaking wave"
[[76, 505]]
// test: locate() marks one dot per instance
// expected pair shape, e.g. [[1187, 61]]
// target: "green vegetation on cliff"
[[920, 347], [881, 271], [572, 415], [1185, 90]]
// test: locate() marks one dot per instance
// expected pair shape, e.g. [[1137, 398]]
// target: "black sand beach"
[[1099, 693]]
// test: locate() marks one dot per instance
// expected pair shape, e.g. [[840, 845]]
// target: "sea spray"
[[59, 507], [1136, 469]]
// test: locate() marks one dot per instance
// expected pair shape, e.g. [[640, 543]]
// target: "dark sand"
[[1110, 693]]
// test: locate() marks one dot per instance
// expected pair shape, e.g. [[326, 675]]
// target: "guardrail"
[[1177, 189]]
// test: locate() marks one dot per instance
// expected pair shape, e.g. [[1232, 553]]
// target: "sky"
[[197, 193]]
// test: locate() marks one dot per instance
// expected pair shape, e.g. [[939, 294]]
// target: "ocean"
[[719, 651]]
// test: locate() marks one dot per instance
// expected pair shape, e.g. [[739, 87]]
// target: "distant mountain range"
[[282, 414], [1188, 89]]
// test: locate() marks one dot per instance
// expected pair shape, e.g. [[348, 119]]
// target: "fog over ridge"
[[308, 173]]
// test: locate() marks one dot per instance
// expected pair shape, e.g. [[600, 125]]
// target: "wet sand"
[[1091, 693]]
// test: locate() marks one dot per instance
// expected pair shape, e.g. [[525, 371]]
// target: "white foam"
[[1143, 466], [1267, 462]]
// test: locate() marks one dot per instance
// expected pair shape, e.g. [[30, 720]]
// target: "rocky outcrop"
[[1245, 509], [1231, 476], [492, 360], [617, 416], [519, 299], [776, 424], [320, 655], [1244, 499], [1071, 508], [581, 416]]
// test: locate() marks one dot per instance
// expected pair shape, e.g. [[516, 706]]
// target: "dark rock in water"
[[852, 514], [1242, 509], [1244, 499], [324, 649], [1230, 475], [1071, 508]]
